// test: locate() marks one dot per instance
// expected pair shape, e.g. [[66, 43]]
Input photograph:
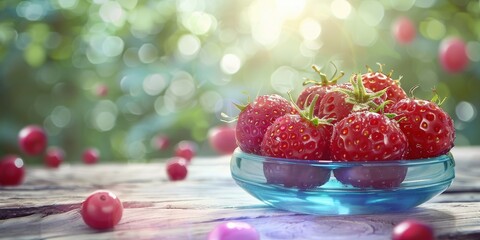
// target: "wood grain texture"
[[47, 205]]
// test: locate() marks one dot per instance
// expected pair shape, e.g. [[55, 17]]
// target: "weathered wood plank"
[[46, 205]]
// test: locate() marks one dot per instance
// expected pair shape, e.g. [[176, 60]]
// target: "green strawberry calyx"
[[307, 112], [324, 81], [360, 98]]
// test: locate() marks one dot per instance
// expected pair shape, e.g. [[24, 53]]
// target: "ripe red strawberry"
[[297, 136], [347, 98], [429, 129], [256, 117], [294, 137], [377, 81], [319, 88], [368, 136]]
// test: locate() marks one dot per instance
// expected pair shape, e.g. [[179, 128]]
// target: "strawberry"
[[429, 129], [319, 88], [297, 136], [377, 81], [347, 98], [256, 117], [368, 136]]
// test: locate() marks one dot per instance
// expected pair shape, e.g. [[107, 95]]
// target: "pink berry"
[[160, 142], [101, 90], [186, 149], [54, 157], [453, 55], [102, 210], [176, 168], [11, 170], [412, 230], [234, 231], [32, 140], [403, 30], [91, 156], [222, 139]]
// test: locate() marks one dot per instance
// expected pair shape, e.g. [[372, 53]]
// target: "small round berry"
[[32, 140], [412, 230], [11, 171], [90, 156], [176, 168], [102, 210], [186, 149], [404, 30], [453, 55], [234, 231], [54, 157], [101, 90], [222, 139], [160, 142]]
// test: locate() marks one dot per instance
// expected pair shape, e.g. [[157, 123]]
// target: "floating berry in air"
[[54, 157], [186, 149], [32, 140], [160, 142], [102, 210], [177, 168], [91, 156], [412, 230], [222, 139], [11, 170], [453, 55], [234, 231], [101, 90], [404, 30]]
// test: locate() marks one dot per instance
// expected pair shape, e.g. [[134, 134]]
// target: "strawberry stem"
[[359, 97], [324, 81]]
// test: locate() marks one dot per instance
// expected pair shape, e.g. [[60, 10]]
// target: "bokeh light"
[[173, 67]]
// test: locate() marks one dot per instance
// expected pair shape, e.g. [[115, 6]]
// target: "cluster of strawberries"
[[370, 118]]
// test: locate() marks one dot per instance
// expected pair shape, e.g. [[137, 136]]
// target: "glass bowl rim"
[[331, 163]]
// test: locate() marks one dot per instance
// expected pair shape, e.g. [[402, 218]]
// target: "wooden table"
[[47, 205]]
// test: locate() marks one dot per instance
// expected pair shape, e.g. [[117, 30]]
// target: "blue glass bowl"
[[342, 188]]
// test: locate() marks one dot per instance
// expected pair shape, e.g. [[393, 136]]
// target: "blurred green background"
[[171, 67]]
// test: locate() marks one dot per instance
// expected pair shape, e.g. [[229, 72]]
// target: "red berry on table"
[[347, 98], [367, 136], [176, 168], [32, 140], [234, 231], [413, 230], [453, 55], [222, 139], [429, 129], [256, 117], [102, 210], [160, 142], [319, 88], [186, 149], [404, 30], [54, 157], [91, 156], [377, 81], [11, 170]]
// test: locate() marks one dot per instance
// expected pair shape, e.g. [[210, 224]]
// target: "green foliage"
[[172, 67]]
